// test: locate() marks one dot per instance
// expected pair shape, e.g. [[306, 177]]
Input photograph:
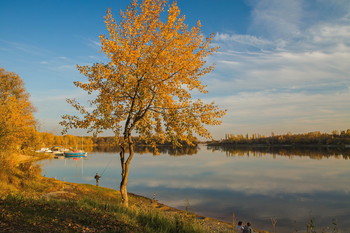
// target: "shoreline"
[[62, 190], [146, 204]]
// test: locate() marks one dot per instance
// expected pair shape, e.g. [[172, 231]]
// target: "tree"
[[17, 123], [145, 88]]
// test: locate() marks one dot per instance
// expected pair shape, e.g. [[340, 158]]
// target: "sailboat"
[[76, 152]]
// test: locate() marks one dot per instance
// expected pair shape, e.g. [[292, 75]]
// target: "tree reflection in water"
[[289, 151], [161, 150], [254, 183]]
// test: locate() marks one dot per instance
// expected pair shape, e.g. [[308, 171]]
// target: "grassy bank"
[[64, 211], [32, 203]]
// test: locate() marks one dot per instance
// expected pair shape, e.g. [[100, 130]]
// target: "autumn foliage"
[[146, 86], [17, 123]]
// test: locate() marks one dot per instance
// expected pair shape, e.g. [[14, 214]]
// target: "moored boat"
[[44, 150], [57, 150], [75, 153]]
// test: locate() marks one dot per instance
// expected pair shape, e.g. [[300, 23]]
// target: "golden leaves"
[[146, 86], [17, 121]]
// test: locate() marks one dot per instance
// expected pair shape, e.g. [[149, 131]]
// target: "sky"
[[283, 65]]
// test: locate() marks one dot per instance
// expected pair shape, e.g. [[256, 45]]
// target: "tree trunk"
[[125, 171], [123, 184]]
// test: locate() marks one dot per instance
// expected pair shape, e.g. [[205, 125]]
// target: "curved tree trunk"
[[125, 171], [123, 184]]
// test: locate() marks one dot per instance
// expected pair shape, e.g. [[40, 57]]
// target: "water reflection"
[[309, 151], [161, 150], [168, 150], [255, 185], [66, 169]]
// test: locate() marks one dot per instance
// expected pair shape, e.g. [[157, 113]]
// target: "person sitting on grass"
[[247, 228], [239, 227]]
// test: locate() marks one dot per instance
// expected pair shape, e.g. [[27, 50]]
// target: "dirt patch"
[[60, 194]]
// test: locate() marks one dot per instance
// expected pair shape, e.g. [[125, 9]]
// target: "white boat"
[[44, 149], [57, 150]]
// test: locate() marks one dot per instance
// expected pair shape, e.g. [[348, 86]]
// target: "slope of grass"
[[32, 203]]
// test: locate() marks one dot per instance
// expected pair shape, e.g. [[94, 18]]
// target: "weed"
[[187, 205], [234, 221], [274, 222]]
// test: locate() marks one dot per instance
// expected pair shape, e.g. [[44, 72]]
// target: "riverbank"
[[32, 203], [68, 207]]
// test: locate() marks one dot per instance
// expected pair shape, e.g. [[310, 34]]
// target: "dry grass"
[[32, 203]]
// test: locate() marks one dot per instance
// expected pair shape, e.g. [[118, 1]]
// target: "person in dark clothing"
[[97, 178], [247, 228]]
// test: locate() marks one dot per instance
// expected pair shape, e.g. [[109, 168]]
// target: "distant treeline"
[[335, 138], [44, 139]]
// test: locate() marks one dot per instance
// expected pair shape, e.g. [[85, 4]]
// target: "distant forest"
[[44, 139], [49, 139], [335, 138]]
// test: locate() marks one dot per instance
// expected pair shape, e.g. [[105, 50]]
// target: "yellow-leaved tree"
[[17, 123], [145, 88]]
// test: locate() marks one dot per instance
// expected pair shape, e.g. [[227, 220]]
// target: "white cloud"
[[63, 58], [71, 67], [94, 44], [275, 18], [234, 175], [298, 82], [266, 112], [279, 70], [242, 39], [22, 49], [328, 37]]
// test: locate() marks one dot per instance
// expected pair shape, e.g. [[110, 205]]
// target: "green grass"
[[32, 203], [25, 214], [21, 214]]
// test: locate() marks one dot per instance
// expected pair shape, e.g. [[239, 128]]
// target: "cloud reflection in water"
[[255, 187]]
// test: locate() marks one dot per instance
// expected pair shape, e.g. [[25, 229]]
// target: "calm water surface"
[[254, 186]]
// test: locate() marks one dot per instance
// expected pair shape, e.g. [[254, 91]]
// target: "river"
[[293, 188]]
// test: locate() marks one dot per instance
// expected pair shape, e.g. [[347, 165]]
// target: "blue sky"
[[283, 65]]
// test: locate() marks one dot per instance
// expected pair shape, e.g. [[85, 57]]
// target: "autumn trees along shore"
[[17, 123]]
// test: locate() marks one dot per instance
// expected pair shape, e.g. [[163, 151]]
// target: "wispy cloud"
[[275, 18], [290, 76], [71, 67], [242, 39], [93, 44], [19, 48]]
